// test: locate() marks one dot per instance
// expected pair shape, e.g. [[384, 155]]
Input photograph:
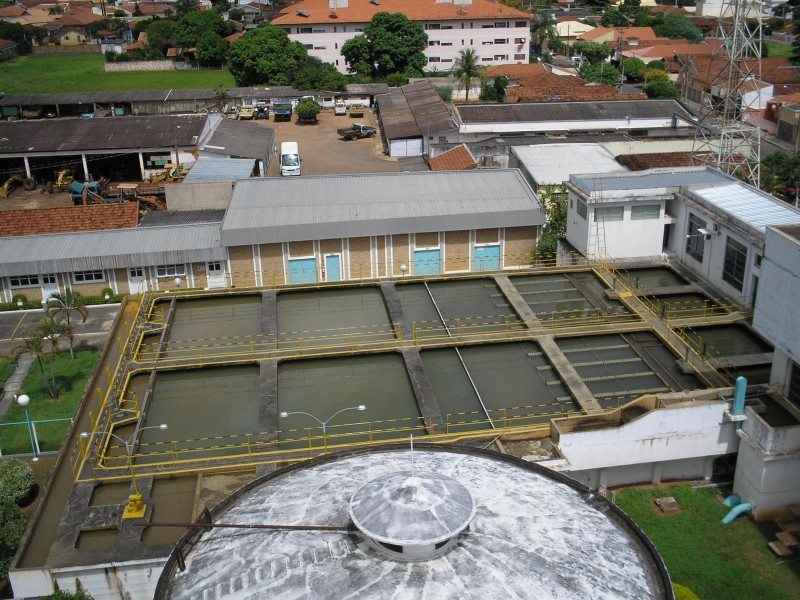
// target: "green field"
[[53, 73], [778, 50], [712, 559]]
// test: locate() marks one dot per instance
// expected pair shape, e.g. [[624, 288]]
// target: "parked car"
[[246, 112], [340, 108]]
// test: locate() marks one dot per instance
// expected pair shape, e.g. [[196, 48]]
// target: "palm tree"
[[466, 67], [53, 330], [65, 304], [543, 30], [33, 344]]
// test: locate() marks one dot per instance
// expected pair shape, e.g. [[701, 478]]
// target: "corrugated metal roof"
[[571, 111], [408, 111], [307, 208], [650, 179], [119, 133], [206, 169], [162, 218], [553, 164], [241, 140], [68, 252], [749, 206]]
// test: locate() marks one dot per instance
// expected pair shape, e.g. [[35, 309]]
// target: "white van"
[[290, 158]]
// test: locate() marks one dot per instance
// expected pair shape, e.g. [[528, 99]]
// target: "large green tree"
[[390, 44], [16, 33], [212, 49], [662, 89], [266, 56], [318, 75], [159, 35], [592, 51], [678, 27], [194, 25], [602, 73]]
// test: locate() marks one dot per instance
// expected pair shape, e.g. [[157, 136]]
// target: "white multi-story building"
[[498, 33]]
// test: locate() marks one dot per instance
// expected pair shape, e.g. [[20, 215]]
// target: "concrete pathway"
[[14, 383]]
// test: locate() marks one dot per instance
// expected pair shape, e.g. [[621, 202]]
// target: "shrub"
[[397, 79], [16, 480], [12, 526], [445, 92]]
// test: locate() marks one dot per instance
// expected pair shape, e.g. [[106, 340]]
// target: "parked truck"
[[356, 110], [282, 110], [356, 132]]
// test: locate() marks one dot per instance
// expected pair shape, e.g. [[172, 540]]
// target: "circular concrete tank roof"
[[535, 534], [412, 508]]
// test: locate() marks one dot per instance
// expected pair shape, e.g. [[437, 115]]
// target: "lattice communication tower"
[[727, 136]]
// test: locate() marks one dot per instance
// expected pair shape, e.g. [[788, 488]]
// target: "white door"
[[136, 280], [49, 286], [216, 276]]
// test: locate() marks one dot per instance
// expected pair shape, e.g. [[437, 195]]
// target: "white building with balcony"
[[498, 33]]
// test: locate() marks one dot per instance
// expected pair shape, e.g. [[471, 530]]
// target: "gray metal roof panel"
[[552, 164], [241, 140], [750, 206], [650, 179], [290, 209], [161, 218], [116, 133], [571, 111], [110, 249], [206, 169]]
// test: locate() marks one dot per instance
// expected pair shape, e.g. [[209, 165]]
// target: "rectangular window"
[[136, 272], [447, 26], [793, 393], [609, 213], [434, 43], [447, 60], [24, 280], [447, 43], [320, 47], [319, 31], [519, 40], [520, 24], [214, 267], [487, 26], [757, 261], [487, 59], [520, 57], [646, 211], [581, 208], [309, 46], [49, 278], [695, 242], [501, 56], [501, 24], [432, 26], [156, 160], [170, 270], [735, 263], [304, 30], [434, 59], [501, 40], [486, 43], [87, 276]]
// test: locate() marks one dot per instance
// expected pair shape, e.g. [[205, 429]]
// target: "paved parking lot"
[[324, 153]]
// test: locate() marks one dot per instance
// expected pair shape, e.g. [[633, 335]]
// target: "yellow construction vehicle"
[[10, 184], [63, 179]]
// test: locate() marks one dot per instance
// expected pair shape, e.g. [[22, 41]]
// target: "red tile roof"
[[516, 71], [233, 37], [68, 219], [641, 162], [7, 44], [457, 159], [773, 70], [12, 11], [563, 88], [641, 33], [362, 11]]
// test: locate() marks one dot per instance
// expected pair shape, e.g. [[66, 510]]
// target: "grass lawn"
[[71, 378], [778, 50], [7, 367], [712, 559], [52, 73]]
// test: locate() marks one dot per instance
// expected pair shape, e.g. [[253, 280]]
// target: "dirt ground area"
[[323, 152], [20, 199]]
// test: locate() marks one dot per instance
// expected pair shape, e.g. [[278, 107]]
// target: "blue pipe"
[[736, 511], [738, 398], [732, 500]]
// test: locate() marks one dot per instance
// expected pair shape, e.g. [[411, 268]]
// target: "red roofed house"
[[498, 33], [456, 159]]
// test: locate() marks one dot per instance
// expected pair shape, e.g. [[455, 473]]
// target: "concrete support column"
[[141, 165], [27, 167], [656, 476], [85, 167]]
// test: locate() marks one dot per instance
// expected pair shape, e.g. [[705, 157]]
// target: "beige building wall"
[[199, 275], [301, 249], [272, 272], [400, 253], [380, 245], [520, 243], [121, 284], [486, 236], [426, 240], [456, 251], [360, 263], [88, 289], [241, 259]]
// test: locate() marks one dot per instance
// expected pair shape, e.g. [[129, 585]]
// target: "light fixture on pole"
[[23, 401], [324, 423], [178, 282], [135, 508], [403, 269]]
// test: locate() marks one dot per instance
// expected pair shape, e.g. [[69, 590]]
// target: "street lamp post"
[[324, 423], [178, 281], [23, 401], [135, 508]]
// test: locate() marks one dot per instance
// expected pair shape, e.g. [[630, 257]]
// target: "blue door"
[[302, 270], [333, 270], [487, 258], [427, 262]]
